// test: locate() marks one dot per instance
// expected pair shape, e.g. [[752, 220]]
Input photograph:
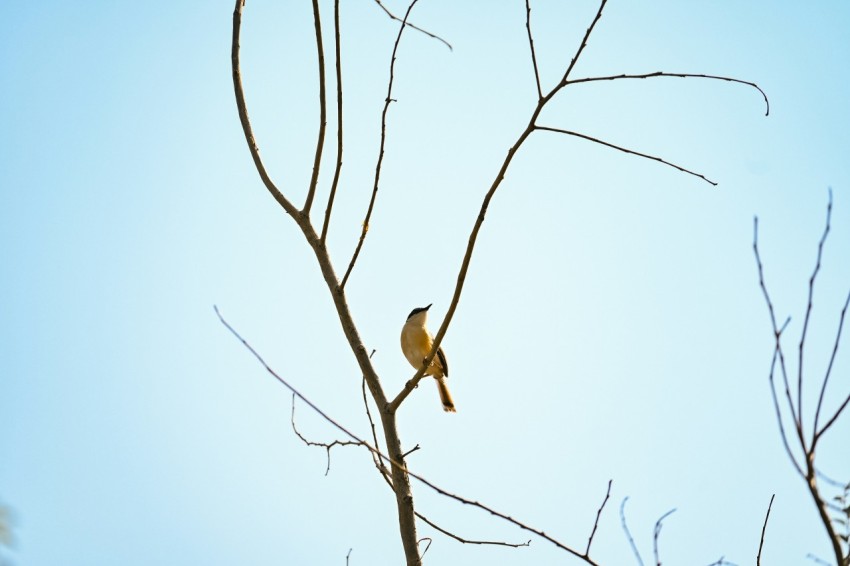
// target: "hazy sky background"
[[611, 326]]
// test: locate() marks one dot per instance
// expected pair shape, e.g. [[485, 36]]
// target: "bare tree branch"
[[243, 116], [819, 433], [428, 33], [596, 522], [387, 102], [327, 446], [378, 462], [625, 150], [808, 471], [394, 463], [628, 532], [323, 117], [655, 534], [339, 137], [809, 312], [411, 384], [467, 541], [764, 529], [675, 75], [531, 45], [582, 45], [777, 333], [778, 411]]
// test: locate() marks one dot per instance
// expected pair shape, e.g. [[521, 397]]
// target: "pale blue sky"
[[611, 325]]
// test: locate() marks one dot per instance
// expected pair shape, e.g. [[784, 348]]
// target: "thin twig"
[[819, 433], [327, 446], [656, 533], [339, 137], [531, 45], [378, 462], [764, 529], [676, 75], [419, 29], [323, 115], [387, 102], [468, 541], [777, 333], [626, 150], [596, 522], [413, 382], [778, 412], [802, 344], [411, 451], [583, 44], [628, 532]]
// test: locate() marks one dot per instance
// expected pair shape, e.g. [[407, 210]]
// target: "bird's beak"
[[428, 307]]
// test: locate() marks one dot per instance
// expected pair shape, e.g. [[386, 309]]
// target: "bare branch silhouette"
[[394, 463], [625, 150], [656, 532], [581, 46], [764, 529], [467, 541], [777, 355], [598, 514], [339, 136], [806, 319], [806, 467], [428, 33], [628, 532], [531, 46], [387, 102], [659, 74], [327, 446], [323, 115], [243, 116]]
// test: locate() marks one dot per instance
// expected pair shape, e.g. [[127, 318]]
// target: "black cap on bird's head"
[[419, 310]]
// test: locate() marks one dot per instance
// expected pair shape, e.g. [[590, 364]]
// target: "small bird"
[[416, 343]]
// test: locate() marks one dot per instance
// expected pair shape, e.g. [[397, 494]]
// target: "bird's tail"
[[445, 396]]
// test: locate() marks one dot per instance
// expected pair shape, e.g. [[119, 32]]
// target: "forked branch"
[[806, 467], [532, 126], [398, 465]]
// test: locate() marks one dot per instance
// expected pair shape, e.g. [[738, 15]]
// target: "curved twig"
[[676, 75], [243, 115], [656, 532], [628, 532]]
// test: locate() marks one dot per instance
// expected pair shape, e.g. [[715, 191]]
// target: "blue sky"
[[611, 326]]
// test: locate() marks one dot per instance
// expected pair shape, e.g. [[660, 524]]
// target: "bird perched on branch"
[[416, 344]]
